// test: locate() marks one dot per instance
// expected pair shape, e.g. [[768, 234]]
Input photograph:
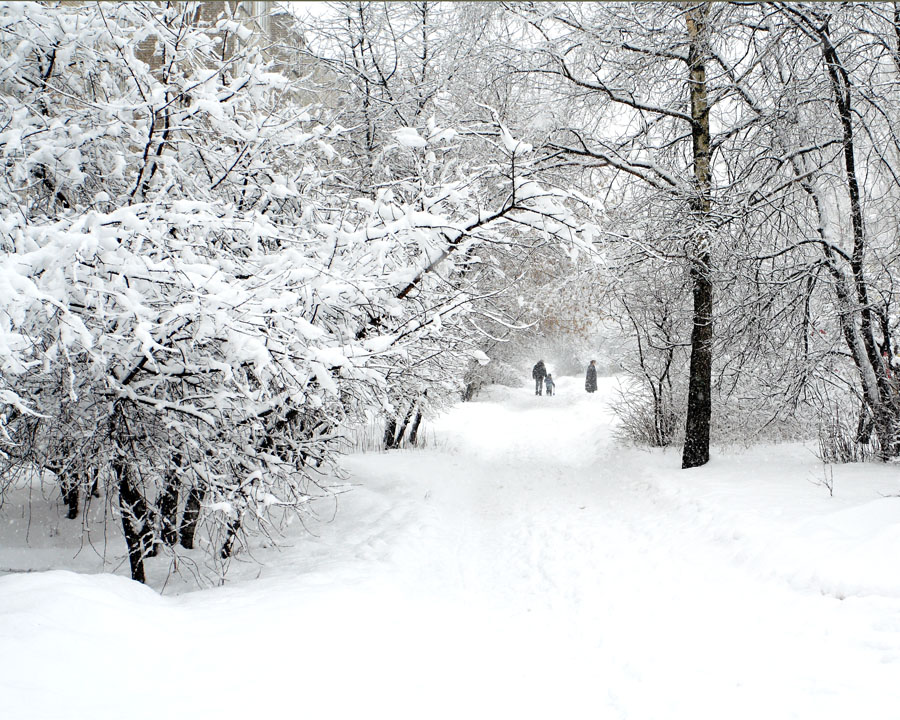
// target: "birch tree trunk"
[[699, 405]]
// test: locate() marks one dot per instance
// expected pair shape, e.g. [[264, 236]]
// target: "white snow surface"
[[523, 565]]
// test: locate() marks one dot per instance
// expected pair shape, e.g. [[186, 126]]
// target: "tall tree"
[[847, 51], [699, 403], [624, 69]]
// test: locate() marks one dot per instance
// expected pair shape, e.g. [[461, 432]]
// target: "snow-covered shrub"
[[647, 418], [843, 439]]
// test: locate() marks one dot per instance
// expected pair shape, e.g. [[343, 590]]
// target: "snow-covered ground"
[[524, 566]]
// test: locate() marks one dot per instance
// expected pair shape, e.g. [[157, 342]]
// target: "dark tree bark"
[[401, 431], [230, 536], [68, 488], [414, 430], [191, 517], [699, 405], [390, 430], [167, 504], [71, 493], [94, 476], [135, 520]]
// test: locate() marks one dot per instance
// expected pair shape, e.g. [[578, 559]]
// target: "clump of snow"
[[409, 137], [513, 145]]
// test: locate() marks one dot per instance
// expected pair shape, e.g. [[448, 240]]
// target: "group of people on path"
[[541, 378], [544, 379]]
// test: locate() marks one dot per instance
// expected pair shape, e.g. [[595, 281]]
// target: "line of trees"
[[204, 284]]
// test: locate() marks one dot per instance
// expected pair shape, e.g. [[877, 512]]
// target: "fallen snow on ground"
[[524, 566]]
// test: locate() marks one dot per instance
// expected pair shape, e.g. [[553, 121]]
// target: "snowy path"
[[524, 567], [633, 610]]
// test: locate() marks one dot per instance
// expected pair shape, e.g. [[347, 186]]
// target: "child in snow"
[[548, 381]]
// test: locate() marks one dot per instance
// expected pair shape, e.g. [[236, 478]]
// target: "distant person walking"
[[548, 381], [590, 380], [539, 372]]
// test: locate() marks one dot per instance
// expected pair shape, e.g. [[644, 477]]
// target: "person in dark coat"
[[539, 372], [590, 380], [548, 381]]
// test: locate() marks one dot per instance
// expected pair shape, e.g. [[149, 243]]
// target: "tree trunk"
[[401, 431], [879, 409], [94, 477], [167, 504], [414, 430], [864, 425], [70, 492], [390, 429], [191, 517], [883, 403], [230, 536], [699, 405], [135, 520]]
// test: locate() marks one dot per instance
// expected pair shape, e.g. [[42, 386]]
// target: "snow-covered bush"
[[843, 440], [648, 420]]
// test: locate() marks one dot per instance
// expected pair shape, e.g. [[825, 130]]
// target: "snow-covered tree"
[[831, 74], [396, 72]]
